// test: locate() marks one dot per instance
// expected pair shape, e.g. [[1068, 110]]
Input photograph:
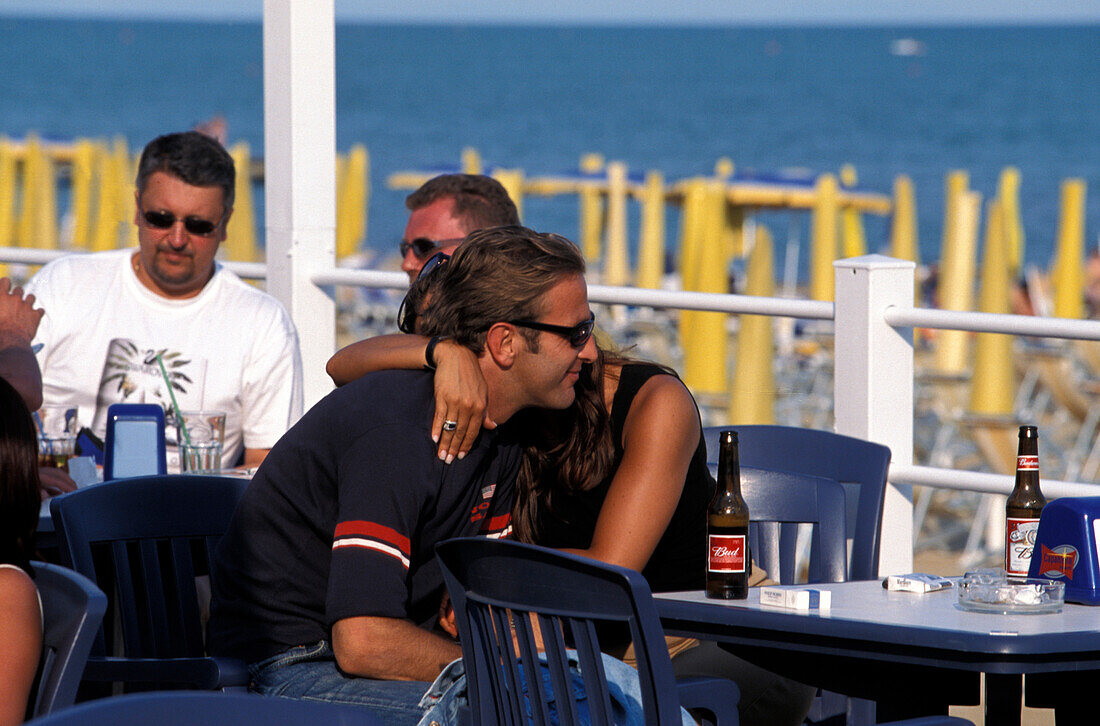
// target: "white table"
[[910, 652]]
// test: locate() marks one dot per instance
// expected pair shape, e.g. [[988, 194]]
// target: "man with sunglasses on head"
[[447, 208], [326, 582], [113, 318]]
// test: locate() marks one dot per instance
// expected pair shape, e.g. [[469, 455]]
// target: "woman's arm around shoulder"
[[21, 633], [461, 395], [660, 436]]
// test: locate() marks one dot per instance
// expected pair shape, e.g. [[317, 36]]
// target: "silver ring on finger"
[[449, 425]]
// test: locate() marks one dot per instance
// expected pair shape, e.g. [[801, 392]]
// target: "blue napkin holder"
[[1066, 547]]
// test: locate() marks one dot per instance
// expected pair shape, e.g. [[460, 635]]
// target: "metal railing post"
[[300, 161], [873, 382]]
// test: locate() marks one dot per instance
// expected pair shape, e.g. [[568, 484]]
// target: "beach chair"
[[498, 585], [144, 541], [72, 609]]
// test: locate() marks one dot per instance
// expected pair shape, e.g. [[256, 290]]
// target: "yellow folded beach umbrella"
[[471, 161], [1008, 192], [1067, 273], [958, 258], [616, 261], [240, 235], [37, 225], [107, 214], [352, 193], [752, 398], [512, 181], [993, 384], [126, 166], [903, 224], [853, 238], [706, 346], [590, 201], [8, 166], [693, 213], [823, 242], [82, 175], [651, 245]]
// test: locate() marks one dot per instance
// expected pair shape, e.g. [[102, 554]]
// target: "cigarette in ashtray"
[[916, 582]]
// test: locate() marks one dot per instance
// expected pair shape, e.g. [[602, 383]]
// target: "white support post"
[[873, 382], [300, 173]]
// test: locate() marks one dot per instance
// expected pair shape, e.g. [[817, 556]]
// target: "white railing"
[[873, 318]]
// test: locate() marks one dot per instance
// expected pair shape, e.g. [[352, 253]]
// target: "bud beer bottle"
[[728, 562], [1024, 506]]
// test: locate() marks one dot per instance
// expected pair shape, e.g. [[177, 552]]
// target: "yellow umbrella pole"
[[1068, 272], [651, 247], [752, 399], [993, 385], [823, 242], [590, 200]]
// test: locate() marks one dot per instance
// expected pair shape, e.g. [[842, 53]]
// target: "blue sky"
[[860, 12]]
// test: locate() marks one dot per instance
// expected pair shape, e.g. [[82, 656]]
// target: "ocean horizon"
[[920, 101]]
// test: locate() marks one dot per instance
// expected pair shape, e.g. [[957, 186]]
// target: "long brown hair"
[[567, 451], [19, 497]]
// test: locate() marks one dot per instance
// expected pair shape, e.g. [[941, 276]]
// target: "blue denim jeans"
[[309, 672]]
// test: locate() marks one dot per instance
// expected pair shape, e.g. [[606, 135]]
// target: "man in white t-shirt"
[[225, 345]]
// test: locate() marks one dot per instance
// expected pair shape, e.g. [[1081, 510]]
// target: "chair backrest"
[[144, 541], [134, 444], [72, 609], [199, 708], [778, 502], [495, 585], [860, 466]]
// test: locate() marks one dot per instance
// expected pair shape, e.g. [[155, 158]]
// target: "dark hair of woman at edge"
[[19, 493], [20, 606]]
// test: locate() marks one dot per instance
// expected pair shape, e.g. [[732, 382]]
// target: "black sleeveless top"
[[679, 560]]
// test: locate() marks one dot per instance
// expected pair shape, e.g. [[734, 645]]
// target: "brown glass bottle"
[[728, 562], [1024, 506]]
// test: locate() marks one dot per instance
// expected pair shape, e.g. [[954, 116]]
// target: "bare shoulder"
[[664, 392], [18, 593]]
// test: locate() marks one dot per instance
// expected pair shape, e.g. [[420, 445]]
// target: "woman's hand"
[[461, 397]]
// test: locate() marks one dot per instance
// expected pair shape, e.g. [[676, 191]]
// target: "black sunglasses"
[[422, 246], [577, 335], [193, 225]]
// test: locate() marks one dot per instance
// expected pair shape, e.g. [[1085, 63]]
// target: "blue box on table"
[[1066, 547]]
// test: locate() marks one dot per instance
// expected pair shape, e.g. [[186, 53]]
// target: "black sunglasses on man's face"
[[577, 335], [422, 247], [194, 225]]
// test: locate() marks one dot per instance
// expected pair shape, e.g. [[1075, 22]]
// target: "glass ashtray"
[[986, 592]]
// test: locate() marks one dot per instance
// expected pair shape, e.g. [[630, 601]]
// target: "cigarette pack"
[[802, 598], [916, 582]]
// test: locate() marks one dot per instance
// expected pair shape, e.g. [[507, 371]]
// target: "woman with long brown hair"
[[20, 609]]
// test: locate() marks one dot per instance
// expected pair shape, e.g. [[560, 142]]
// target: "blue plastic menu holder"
[[1066, 547], [134, 445]]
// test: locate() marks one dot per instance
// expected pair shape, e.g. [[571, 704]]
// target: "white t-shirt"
[[231, 348]]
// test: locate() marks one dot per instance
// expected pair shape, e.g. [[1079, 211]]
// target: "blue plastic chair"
[[208, 709], [778, 502], [144, 541], [860, 466], [72, 609], [495, 585]]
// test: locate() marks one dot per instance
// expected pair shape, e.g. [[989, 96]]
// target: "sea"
[[920, 101]]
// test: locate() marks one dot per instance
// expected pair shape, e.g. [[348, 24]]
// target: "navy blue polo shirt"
[[342, 518]]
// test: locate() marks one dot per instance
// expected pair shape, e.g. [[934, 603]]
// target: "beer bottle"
[[1024, 506], [728, 563]]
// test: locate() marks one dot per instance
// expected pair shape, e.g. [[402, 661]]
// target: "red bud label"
[[1027, 463], [727, 553]]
